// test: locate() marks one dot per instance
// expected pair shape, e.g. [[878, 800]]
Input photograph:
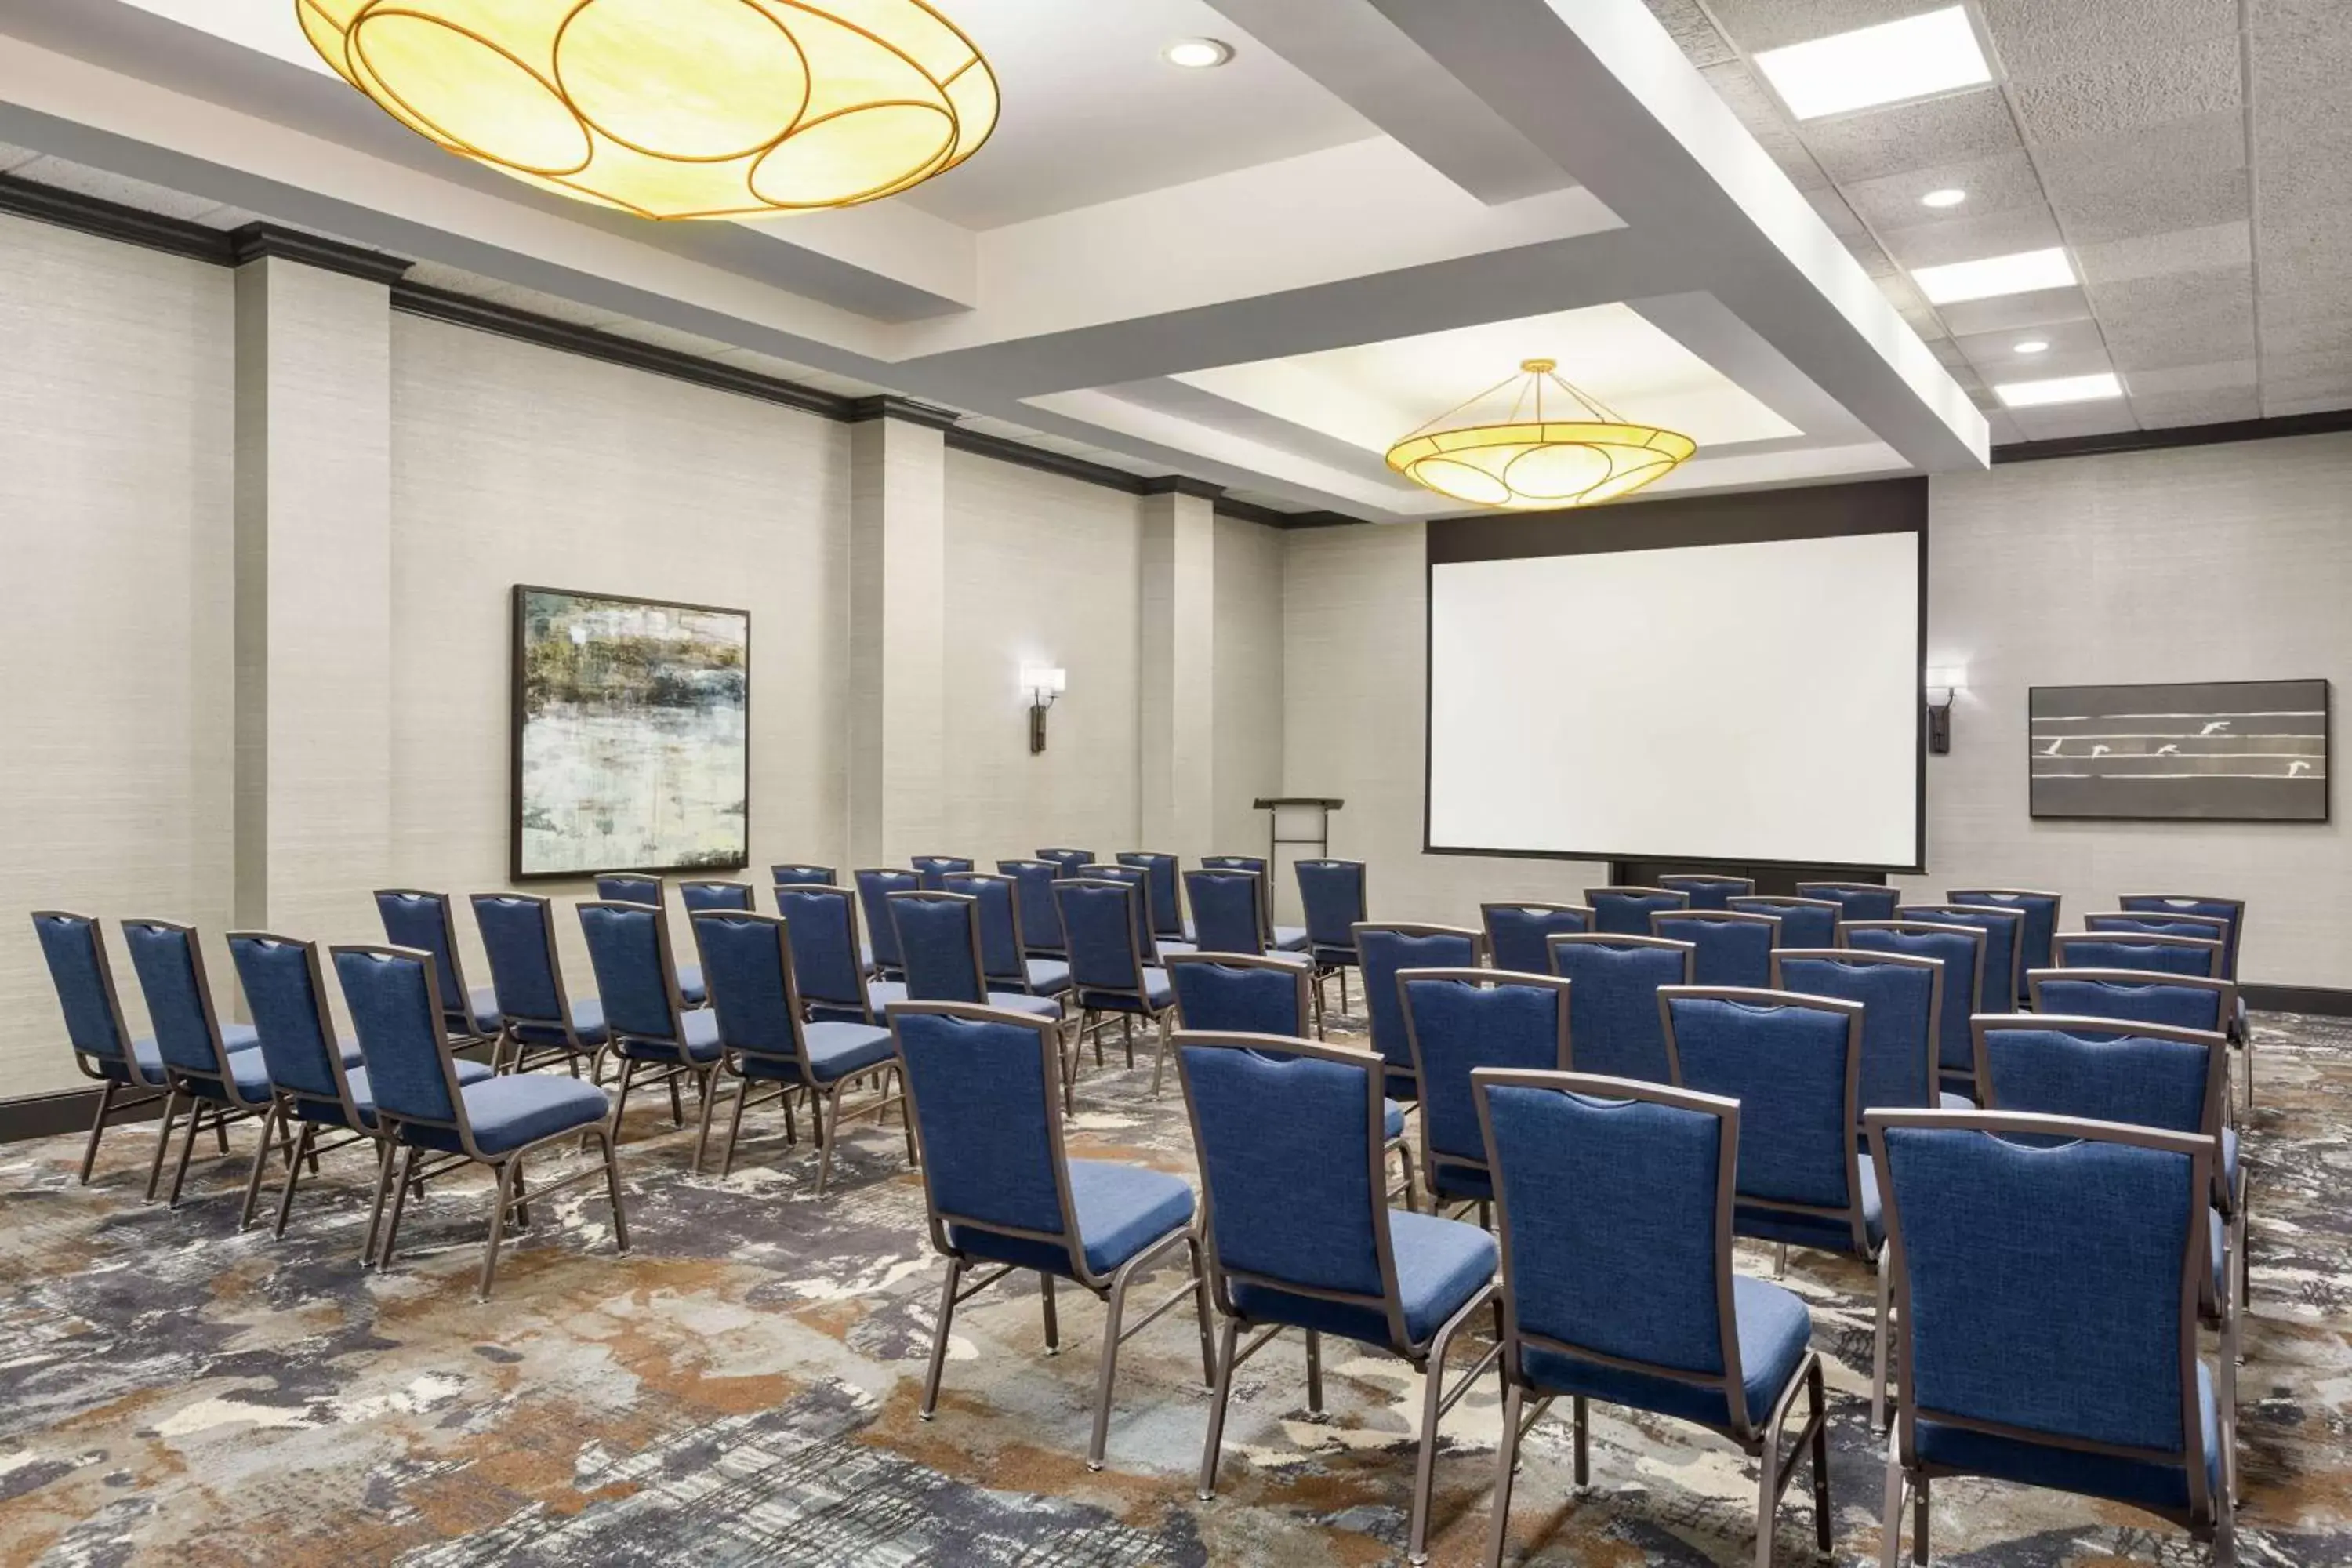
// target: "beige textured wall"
[[116, 382], [1247, 698]]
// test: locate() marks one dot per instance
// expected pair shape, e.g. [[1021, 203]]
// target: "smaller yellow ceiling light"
[[675, 109], [1576, 452]]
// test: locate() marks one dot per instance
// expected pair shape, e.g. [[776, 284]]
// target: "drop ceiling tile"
[[2000, 349], [1973, 238], [2181, 381], [1757, 24], [88, 181], [2064, 35], [1687, 23], [1994, 184], [2212, 292], [2190, 173], [2301, 56], [2140, 345], [2283, 370], [2156, 255], [2301, 272], [1761, 113], [2007, 312], [2127, 91], [2059, 421], [1876, 142], [2170, 410], [2002, 364], [2331, 337], [2280, 406]]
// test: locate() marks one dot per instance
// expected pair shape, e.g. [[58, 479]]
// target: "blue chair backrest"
[[1732, 950], [2153, 953], [1246, 998], [932, 869], [629, 887], [1804, 923], [2138, 922], [1612, 1004], [1098, 925], [1792, 1063], [1860, 900], [1133, 877], [1068, 860], [2102, 1070], [1289, 1141], [1032, 890], [1626, 912], [938, 942], [179, 1004], [2230, 910], [2038, 911], [1382, 949], [1518, 935], [422, 920], [75, 950], [1159, 870], [1228, 914], [874, 886], [795, 874], [1963, 957], [2184, 1001], [1459, 1022], [389, 993], [628, 947], [1332, 894], [2079, 1323], [2001, 980], [714, 896], [521, 943], [1902, 997], [985, 1104], [1253, 863], [1001, 939], [1611, 1203], [1708, 893], [747, 968], [822, 924], [286, 992]]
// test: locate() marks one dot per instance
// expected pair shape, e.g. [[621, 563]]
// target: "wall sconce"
[[1043, 682], [1944, 682]]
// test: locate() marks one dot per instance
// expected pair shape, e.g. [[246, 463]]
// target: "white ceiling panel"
[[1877, 142], [2040, 37], [2003, 182], [2187, 174], [2006, 312], [2185, 379], [2165, 410], [2220, 245], [1760, 25], [2128, 91], [1970, 237]]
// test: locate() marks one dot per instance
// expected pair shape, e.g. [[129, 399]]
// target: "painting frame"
[[2040, 809], [517, 616]]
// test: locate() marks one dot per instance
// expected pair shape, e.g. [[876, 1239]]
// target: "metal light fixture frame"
[[1533, 458]]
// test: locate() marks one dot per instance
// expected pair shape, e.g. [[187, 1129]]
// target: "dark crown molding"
[[2326, 423], [905, 410], [1182, 485], [257, 240], [112, 220]]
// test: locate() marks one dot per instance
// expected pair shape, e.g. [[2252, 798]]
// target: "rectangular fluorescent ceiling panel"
[[2058, 389], [1917, 57], [2017, 274]]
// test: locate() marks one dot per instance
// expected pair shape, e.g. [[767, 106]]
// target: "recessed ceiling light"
[[2032, 345], [1197, 53], [2058, 389], [2017, 274], [1914, 58], [1949, 196]]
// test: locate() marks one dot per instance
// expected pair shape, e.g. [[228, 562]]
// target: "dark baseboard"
[[2322, 1000], [47, 1115]]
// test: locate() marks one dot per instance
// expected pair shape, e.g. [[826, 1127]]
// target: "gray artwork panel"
[[2234, 751]]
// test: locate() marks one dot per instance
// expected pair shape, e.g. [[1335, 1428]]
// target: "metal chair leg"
[[1053, 1324], [162, 1142], [521, 1197], [735, 1127], [1315, 1371], [1821, 1460], [400, 1185], [905, 1112], [940, 1337], [499, 1226], [828, 1133], [97, 1126], [1201, 1309], [1220, 1390], [1506, 1461], [187, 1147], [302, 1146], [1768, 1492], [1424, 1470], [383, 1158], [1115, 1308], [1919, 1519], [1890, 1513], [1126, 1036], [676, 1105], [621, 1099], [612, 1191], [269, 1126], [1878, 1341], [1160, 1060]]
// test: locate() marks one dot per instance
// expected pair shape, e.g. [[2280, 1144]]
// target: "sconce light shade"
[[1944, 681], [1043, 681], [1948, 677]]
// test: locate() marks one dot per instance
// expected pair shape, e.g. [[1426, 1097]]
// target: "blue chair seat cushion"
[[587, 1023], [698, 1029], [150, 1056], [1449, 1180], [1289, 939], [1022, 1002], [482, 1001], [2136, 1482], [1157, 994], [1774, 1329], [1391, 1119], [2230, 1161], [834, 1051], [1120, 1209], [247, 1066], [1946, 1100], [1833, 1233], [1440, 1264], [517, 1108], [1047, 976], [690, 988], [363, 1094]]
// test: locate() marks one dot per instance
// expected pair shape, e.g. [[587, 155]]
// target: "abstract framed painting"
[[2224, 751], [631, 735]]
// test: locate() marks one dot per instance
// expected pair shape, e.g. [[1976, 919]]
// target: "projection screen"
[[1732, 678]]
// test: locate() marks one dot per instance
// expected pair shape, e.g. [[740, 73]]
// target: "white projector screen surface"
[[1743, 701]]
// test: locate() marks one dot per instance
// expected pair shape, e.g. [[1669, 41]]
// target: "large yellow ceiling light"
[[1504, 448], [675, 109]]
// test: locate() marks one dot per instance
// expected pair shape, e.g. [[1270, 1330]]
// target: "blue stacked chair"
[[1860, 900], [428, 921], [2038, 913], [2002, 985], [1961, 951], [1616, 1203], [538, 1017], [765, 1039], [1289, 1134], [1103, 921], [2231, 914], [1148, 940], [638, 887], [1281, 938], [1068, 860], [2183, 1000], [874, 886], [1519, 934], [1228, 911], [713, 895], [2048, 1315], [933, 868], [941, 947], [1726, 948], [1000, 1187], [425, 1108], [1613, 999], [1004, 946], [1458, 1021], [204, 1066], [1160, 870], [802, 874], [652, 1028], [1332, 893], [1902, 997], [1626, 912], [1384, 950], [1033, 893], [1804, 923], [823, 925], [1707, 889], [2197, 957]]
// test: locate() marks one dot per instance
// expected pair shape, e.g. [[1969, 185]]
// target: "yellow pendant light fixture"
[[1524, 455], [675, 109]]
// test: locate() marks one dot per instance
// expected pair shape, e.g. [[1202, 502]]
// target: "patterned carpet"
[[742, 1387]]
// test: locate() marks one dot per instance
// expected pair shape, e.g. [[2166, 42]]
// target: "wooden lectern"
[[1300, 825]]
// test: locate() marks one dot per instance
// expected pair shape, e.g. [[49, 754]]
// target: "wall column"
[[313, 576], [898, 632], [1177, 702]]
